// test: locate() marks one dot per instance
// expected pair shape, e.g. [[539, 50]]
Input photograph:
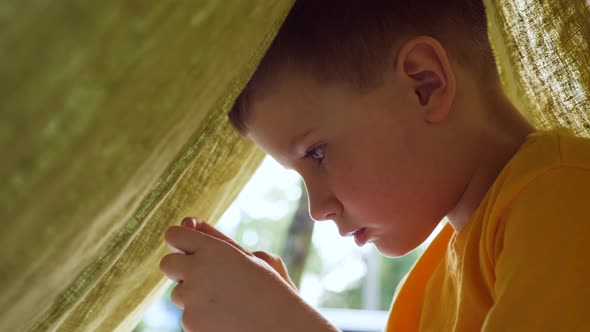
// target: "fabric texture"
[[543, 52], [112, 128], [514, 266]]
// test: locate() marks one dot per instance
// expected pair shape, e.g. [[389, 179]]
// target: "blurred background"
[[353, 287]]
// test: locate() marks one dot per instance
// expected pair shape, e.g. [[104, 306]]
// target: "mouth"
[[361, 237], [351, 233]]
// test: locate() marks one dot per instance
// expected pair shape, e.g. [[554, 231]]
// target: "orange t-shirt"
[[522, 262]]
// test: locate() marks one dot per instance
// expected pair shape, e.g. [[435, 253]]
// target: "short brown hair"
[[350, 40]]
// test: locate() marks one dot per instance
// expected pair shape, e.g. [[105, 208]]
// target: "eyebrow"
[[297, 140]]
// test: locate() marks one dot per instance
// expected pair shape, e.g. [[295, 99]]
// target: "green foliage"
[[351, 298], [314, 264], [271, 233]]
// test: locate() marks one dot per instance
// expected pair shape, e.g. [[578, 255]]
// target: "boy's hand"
[[274, 261], [224, 287]]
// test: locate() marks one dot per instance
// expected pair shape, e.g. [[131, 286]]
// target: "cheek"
[[378, 179], [383, 193], [365, 194]]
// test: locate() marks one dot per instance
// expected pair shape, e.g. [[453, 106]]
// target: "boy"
[[393, 114]]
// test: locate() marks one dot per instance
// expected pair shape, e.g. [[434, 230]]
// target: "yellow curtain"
[[112, 127], [543, 53]]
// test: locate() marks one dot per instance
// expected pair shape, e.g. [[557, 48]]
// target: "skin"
[[425, 144], [224, 287]]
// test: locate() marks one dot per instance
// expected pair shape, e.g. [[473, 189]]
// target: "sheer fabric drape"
[[112, 127]]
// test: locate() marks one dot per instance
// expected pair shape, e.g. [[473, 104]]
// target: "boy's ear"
[[424, 61]]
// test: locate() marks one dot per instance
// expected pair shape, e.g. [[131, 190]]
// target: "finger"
[[204, 227], [277, 264], [182, 239], [190, 321], [177, 295], [174, 266], [174, 249], [190, 242]]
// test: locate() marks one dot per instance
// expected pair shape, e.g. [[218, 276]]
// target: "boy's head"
[[370, 101]]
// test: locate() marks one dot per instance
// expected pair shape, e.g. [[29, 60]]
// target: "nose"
[[323, 205]]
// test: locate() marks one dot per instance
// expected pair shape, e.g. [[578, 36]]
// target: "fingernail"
[[189, 222]]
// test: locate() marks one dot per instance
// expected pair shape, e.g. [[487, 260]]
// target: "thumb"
[[203, 227]]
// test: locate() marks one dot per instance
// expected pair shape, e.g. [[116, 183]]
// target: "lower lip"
[[360, 237]]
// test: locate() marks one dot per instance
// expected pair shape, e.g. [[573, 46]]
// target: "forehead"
[[292, 94], [289, 106], [279, 114]]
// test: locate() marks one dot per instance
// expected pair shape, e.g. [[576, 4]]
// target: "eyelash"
[[310, 153]]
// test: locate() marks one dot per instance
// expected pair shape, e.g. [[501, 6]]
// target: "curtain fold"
[[543, 53], [112, 128]]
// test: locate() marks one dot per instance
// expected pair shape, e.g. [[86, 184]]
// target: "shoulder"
[[554, 204], [540, 235], [574, 151], [544, 158], [545, 186], [551, 208], [553, 170]]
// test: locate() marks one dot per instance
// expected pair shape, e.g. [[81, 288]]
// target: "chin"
[[393, 251]]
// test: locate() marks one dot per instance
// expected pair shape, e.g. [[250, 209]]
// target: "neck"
[[504, 131]]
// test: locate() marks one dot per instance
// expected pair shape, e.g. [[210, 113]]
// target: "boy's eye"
[[317, 153]]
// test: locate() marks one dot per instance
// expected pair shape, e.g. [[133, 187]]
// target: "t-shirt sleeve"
[[542, 275]]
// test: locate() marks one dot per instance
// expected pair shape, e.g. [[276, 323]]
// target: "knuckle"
[[172, 232], [164, 263], [187, 321], [169, 234], [176, 297]]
